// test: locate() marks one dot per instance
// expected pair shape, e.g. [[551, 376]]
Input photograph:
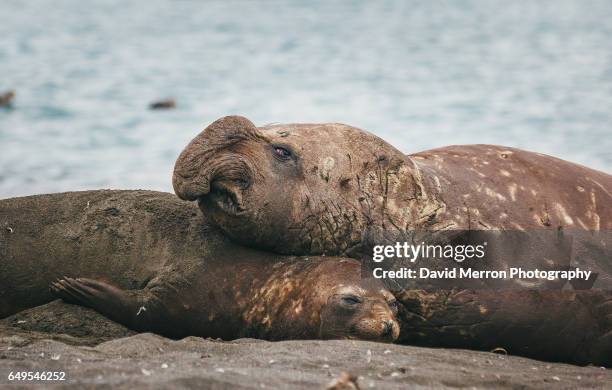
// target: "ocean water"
[[530, 74]]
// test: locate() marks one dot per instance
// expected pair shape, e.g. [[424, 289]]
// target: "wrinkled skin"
[[335, 189], [153, 263], [567, 326], [336, 185]]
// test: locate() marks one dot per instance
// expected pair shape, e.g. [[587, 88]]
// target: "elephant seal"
[[331, 188], [335, 189], [564, 326], [151, 262]]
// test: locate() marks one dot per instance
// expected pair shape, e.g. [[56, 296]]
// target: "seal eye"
[[351, 300], [282, 153]]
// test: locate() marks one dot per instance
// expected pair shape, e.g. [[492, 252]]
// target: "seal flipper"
[[139, 310]]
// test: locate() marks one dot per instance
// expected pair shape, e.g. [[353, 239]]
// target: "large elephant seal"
[[335, 189], [153, 263], [328, 188], [338, 190]]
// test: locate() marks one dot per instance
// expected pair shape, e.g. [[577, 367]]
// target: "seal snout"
[[360, 313], [226, 181], [387, 328], [376, 324], [211, 156]]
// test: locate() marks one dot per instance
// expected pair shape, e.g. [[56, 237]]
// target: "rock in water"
[[6, 99], [163, 104]]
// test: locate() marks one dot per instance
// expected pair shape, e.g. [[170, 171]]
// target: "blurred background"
[[531, 74]]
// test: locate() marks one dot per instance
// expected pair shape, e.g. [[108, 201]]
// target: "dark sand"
[[95, 352]]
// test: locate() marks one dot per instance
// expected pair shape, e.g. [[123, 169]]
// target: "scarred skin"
[[154, 263], [335, 189], [342, 188]]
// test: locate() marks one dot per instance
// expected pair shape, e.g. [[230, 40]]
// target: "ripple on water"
[[534, 75]]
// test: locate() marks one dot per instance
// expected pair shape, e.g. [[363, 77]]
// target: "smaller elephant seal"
[[153, 263], [318, 298], [6, 99]]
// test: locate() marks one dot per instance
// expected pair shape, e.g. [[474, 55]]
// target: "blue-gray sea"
[[421, 74]]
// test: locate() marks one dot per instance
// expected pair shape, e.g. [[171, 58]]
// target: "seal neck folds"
[[305, 188]]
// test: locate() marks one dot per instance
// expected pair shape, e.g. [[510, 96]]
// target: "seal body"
[[493, 187], [153, 263], [335, 189], [539, 212], [553, 325]]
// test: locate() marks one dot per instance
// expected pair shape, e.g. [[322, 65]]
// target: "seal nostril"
[[387, 328], [226, 195]]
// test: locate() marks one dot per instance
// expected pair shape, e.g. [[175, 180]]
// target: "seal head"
[[365, 312], [298, 188]]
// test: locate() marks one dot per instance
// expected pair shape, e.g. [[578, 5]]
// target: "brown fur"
[[153, 263], [343, 190]]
